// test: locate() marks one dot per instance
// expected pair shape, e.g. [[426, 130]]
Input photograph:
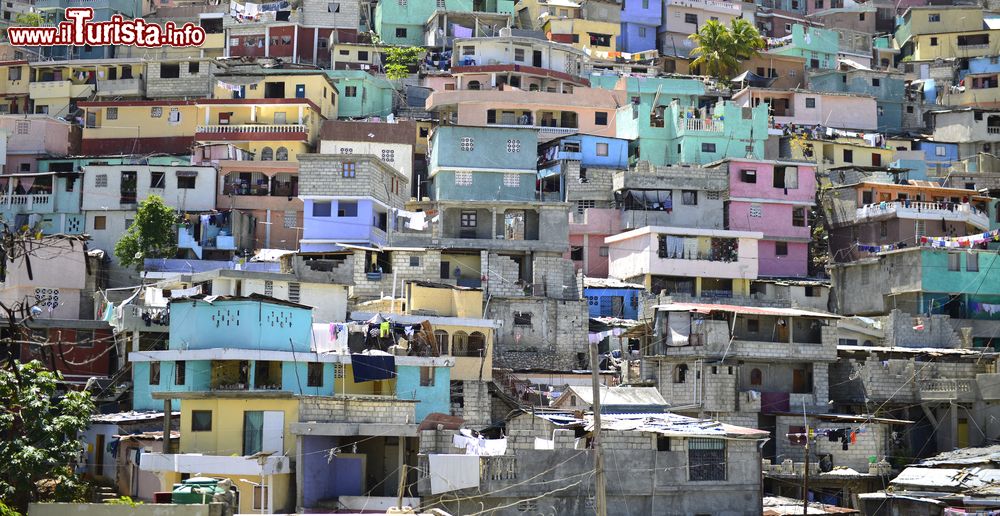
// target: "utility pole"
[[600, 497], [805, 476]]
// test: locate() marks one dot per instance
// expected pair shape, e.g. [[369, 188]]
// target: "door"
[[300, 91], [618, 306], [536, 58], [273, 438], [445, 270], [963, 431], [876, 159], [128, 187], [799, 380], [99, 446]]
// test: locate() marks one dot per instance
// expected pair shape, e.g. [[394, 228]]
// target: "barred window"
[[584, 204], [463, 178], [467, 143], [112, 113], [513, 145], [155, 112], [101, 181], [512, 180], [756, 211], [23, 126], [706, 460]]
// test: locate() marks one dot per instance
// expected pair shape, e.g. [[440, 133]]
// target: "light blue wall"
[[359, 229], [617, 151], [980, 65], [243, 324], [489, 149], [486, 186], [373, 96], [888, 94], [931, 157], [197, 373], [436, 398]]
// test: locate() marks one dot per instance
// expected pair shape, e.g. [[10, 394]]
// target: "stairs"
[[102, 494]]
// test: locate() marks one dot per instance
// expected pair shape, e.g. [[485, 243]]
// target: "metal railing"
[[700, 124], [252, 128]]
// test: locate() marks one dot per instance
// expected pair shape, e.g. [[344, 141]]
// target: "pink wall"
[[764, 187], [795, 263], [776, 220], [597, 265]]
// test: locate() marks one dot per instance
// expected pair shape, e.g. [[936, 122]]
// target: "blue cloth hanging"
[[369, 368]]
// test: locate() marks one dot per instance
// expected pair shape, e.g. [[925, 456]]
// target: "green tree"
[[38, 435], [29, 20], [153, 234], [720, 49], [399, 60]]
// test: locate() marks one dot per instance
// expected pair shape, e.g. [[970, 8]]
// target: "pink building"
[[775, 198], [587, 232], [30, 137]]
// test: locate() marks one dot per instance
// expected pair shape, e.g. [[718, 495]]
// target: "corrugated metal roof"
[[620, 395], [704, 308]]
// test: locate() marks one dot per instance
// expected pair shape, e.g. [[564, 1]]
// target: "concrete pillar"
[[299, 473], [953, 424], [167, 420], [267, 41], [493, 224], [267, 231]]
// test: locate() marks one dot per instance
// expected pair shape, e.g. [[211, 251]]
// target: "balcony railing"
[[700, 124], [252, 128], [946, 389], [993, 130], [542, 129], [924, 209], [26, 200]]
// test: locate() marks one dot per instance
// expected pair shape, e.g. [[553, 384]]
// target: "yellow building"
[[56, 87], [980, 90], [14, 80], [828, 154], [138, 126], [599, 38], [931, 32]]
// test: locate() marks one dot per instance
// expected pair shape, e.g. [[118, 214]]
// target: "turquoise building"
[[49, 201], [817, 46], [483, 163], [401, 22], [889, 90], [361, 94], [676, 122], [259, 344]]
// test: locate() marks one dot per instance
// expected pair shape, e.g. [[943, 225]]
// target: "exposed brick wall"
[[357, 409]]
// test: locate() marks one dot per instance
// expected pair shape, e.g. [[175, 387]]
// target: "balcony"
[[196, 463], [708, 125], [120, 88], [26, 202], [947, 390], [993, 130], [146, 318], [542, 129], [253, 132], [498, 468], [922, 210], [59, 89]]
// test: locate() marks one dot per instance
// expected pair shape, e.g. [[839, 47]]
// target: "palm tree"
[[721, 48], [714, 49]]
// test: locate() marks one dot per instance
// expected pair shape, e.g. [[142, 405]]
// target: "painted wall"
[[433, 398], [793, 264], [102, 187], [243, 323], [599, 302], [372, 97], [357, 229]]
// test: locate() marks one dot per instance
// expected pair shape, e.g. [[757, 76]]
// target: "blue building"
[[939, 157], [640, 23], [48, 201], [348, 199], [889, 90], [977, 65], [54, 12], [589, 150], [608, 297], [483, 163], [258, 344]]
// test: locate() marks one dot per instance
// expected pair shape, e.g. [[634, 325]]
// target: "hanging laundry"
[[368, 368], [452, 472], [383, 329]]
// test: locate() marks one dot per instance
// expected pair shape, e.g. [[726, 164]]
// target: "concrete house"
[[265, 195], [928, 32], [818, 46], [47, 201], [682, 18], [399, 22], [640, 23], [887, 88], [775, 198], [112, 193], [594, 25], [56, 87], [138, 126], [813, 108], [362, 94], [391, 142], [608, 297], [58, 287], [973, 130], [521, 62], [356, 204]]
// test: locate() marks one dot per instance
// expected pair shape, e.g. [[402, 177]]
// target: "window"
[[939, 150], [468, 219], [954, 262], [467, 143], [350, 91], [934, 17], [267, 154], [201, 420], [100, 222], [388, 155], [513, 145], [689, 197], [781, 248], [756, 210], [23, 126], [972, 262], [180, 372], [642, 32], [522, 318], [347, 169], [194, 67], [518, 54], [362, 55], [314, 374], [748, 176], [680, 373], [810, 102], [706, 460], [691, 18], [156, 112], [934, 42], [876, 82], [753, 325], [799, 217], [463, 178], [602, 149], [259, 497], [347, 208], [707, 147], [291, 217], [157, 180], [883, 229], [281, 154], [186, 182], [662, 443], [401, 31], [848, 156], [427, 377], [756, 377], [111, 113], [321, 209], [414, 261], [576, 253], [14, 74], [154, 373], [333, 7], [603, 251], [601, 118], [170, 70], [512, 180]]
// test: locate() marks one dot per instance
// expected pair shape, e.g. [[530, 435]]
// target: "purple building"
[[640, 20]]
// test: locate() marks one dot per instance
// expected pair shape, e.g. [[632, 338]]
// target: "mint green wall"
[[373, 96]]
